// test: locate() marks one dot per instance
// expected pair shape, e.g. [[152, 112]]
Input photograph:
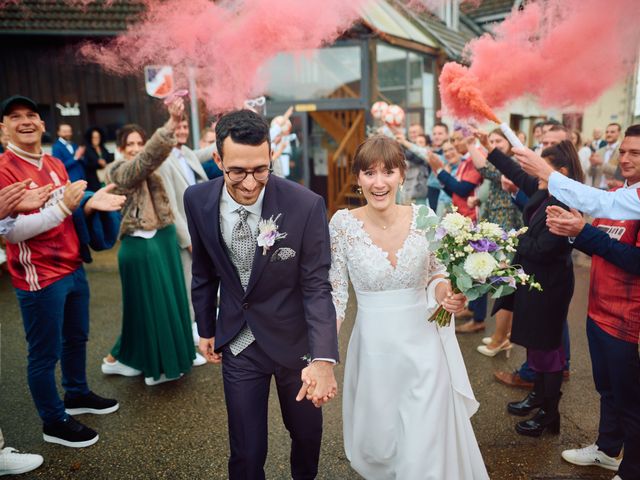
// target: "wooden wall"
[[48, 70]]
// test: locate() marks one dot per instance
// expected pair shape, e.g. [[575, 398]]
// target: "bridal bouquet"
[[477, 257]]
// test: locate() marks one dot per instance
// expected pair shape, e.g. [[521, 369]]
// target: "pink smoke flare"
[[226, 42], [564, 52]]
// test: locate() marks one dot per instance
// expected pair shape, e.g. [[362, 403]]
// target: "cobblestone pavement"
[[178, 430]]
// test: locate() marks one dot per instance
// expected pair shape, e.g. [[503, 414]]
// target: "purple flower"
[[440, 233], [504, 235], [484, 245], [506, 280]]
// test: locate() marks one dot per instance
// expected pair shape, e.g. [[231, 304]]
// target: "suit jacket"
[[538, 317], [287, 303], [176, 183], [74, 167], [608, 169]]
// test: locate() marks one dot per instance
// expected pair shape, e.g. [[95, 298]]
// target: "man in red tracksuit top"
[[613, 323], [46, 270]]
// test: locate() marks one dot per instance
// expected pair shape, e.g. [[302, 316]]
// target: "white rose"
[[454, 223], [480, 265]]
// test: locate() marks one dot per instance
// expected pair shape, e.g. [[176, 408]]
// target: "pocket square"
[[282, 254]]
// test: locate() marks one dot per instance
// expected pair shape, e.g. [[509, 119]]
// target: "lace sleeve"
[[338, 274]]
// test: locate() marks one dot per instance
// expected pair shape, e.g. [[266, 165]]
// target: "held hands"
[[563, 223], [318, 383], [206, 349], [472, 201], [451, 302], [104, 201], [176, 111]]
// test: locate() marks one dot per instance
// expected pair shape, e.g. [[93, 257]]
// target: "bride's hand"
[[451, 302]]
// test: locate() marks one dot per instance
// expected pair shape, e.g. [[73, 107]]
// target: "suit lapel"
[[212, 217], [196, 166], [269, 209]]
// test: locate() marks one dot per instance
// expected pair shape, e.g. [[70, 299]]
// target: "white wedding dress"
[[407, 400]]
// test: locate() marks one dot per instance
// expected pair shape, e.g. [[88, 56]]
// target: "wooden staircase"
[[347, 128]]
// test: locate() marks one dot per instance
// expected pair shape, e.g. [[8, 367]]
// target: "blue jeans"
[[479, 308], [526, 373], [56, 323], [616, 374]]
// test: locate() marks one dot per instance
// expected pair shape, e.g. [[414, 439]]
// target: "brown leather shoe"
[[466, 313], [470, 327], [512, 379]]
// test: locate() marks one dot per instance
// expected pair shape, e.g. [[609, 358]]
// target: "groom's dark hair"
[[244, 127]]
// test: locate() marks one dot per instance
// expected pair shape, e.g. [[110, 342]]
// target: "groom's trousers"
[[247, 379]]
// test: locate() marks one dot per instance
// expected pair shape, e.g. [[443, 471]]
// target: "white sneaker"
[[199, 360], [163, 379], [13, 462], [117, 368], [591, 455], [194, 331]]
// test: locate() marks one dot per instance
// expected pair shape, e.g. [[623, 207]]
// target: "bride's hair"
[[379, 149]]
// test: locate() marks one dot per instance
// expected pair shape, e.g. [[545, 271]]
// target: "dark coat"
[[91, 166], [287, 303], [538, 317]]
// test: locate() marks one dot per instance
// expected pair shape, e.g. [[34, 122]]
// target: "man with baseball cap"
[[45, 257]]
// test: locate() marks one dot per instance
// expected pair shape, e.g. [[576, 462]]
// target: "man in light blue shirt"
[[621, 204]]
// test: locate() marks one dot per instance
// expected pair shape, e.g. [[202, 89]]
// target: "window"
[[333, 72], [108, 116]]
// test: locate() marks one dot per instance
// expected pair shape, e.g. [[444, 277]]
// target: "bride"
[[407, 399]]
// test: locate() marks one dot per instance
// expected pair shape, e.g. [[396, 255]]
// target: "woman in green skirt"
[[156, 338]]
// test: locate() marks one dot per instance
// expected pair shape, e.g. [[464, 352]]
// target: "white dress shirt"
[[6, 225], [229, 217], [622, 204], [609, 150]]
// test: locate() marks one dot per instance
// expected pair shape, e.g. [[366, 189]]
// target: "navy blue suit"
[[289, 308], [74, 167]]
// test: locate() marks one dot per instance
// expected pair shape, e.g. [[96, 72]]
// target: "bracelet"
[[64, 208]]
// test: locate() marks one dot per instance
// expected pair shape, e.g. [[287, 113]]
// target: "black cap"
[[7, 103]]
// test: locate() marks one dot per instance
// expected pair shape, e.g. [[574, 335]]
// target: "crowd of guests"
[[92, 198], [480, 174]]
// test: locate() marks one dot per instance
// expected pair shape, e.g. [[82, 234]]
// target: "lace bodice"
[[354, 256]]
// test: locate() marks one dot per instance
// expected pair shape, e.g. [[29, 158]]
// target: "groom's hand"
[[206, 349], [318, 383]]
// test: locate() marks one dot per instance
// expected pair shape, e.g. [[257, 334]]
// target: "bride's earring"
[[359, 190], [401, 187]]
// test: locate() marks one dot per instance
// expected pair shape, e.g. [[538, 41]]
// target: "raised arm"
[[514, 172], [621, 204], [127, 174]]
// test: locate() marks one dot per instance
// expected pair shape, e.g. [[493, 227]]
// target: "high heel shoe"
[[487, 340], [505, 346]]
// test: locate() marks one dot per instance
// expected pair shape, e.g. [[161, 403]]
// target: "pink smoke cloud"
[[225, 42], [564, 52]]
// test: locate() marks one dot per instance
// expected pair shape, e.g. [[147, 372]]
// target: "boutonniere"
[[268, 233]]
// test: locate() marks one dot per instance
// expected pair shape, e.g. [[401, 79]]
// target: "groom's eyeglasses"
[[237, 175]]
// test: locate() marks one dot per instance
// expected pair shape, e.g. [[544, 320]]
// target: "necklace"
[[383, 227]]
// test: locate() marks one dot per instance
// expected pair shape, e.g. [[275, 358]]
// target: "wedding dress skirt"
[[407, 400]]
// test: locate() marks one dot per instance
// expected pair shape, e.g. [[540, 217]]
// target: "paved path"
[[178, 430]]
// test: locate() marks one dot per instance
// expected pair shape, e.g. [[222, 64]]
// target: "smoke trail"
[[564, 52], [226, 42]]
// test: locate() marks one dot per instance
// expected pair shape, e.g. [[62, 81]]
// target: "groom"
[[275, 300]]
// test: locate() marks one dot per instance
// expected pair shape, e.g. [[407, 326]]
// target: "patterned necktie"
[[242, 250]]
